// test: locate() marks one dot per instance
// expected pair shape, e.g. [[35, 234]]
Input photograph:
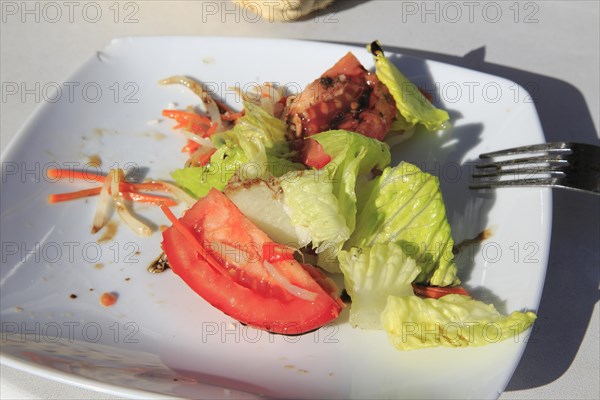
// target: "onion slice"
[[287, 285], [211, 106], [103, 205], [117, 176], [179, 193]]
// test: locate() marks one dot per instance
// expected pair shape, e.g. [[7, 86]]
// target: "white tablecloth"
[[551, 47]]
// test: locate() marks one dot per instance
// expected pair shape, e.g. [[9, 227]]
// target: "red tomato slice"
[[313, 155], [247, 291], [274, 252], [435, 292]]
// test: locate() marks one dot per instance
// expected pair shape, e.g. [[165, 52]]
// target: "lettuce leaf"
[[262, 137], [404, 205], [226, 162], [371, 274], [308, 195], [453, 320], [412, 105], [353, 158]]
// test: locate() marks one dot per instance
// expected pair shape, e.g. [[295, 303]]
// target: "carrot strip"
[[211, 131], [57, 198], [149, 199], [96, 177], [190, 147], [191, 239], [135, 187], [129, 190], [232, 116], [224, 107], [190, 121], [205, 156], [72, 174], [179, 116]]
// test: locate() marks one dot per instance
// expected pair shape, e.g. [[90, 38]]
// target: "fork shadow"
[[572, 278]]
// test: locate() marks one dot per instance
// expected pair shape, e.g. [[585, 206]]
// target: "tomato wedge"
[[435, 292], [313, 155], [248, 291]]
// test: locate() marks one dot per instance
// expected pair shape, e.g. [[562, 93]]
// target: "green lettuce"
[[371, 274], [453, 320], [353, 158], [412, 105], [262, 137], [256, 147], [226, 162], [309, 198], [404, 205]]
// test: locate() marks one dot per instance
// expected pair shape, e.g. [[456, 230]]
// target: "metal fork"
[[574, 166]]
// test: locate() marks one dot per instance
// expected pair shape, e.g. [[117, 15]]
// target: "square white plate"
[[162, 339]]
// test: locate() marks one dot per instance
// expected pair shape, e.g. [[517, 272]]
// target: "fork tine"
[[526, 160], [514, 183], [558, 146], [552, 170], [574, 166]]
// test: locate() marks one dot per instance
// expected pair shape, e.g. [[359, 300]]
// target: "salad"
[[296, 189]]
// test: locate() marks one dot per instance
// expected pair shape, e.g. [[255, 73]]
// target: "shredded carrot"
[[190, 147], [191, 239], [135, 187], [224, 107], [72, 174], [190, 121], [130, 191], [149, 199], [232, 116], [211, 131], [57, 198], [205, 156]]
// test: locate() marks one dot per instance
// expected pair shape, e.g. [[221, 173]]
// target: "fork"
[[574, 166]]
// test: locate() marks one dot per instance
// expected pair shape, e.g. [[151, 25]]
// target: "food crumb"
[[302, 371], [109, 232], [154, 121], [127, 279], [98, 265], [91, 289], [94, 160], [73, 296], [172, 105], [19, 309], [108, 299]]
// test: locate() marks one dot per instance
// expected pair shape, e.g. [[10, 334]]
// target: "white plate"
[[161, 338]]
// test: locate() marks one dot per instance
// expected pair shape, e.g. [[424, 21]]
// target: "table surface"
[[552, 45]]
